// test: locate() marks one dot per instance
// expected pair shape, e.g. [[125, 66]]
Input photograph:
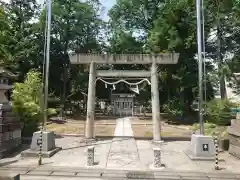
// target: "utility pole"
[[199, 47]]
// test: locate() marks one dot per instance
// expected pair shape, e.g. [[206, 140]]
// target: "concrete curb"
[[27, 140], [121, 174]]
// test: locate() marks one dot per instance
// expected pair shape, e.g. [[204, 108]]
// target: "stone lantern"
[[10, 127]]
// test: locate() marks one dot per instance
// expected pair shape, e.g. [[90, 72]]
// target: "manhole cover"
[[140, 175]]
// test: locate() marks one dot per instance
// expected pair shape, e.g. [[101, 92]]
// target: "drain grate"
[[139, 175]]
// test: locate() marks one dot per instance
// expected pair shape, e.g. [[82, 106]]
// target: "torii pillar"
[[155, 103], [89, 131]]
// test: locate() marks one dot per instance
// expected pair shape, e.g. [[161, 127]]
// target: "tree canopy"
[[135, 26]]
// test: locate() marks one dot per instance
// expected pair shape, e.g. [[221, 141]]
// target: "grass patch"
[[163, 134]]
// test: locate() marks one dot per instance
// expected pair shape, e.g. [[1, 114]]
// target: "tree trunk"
[[220, 61], [63, 96]]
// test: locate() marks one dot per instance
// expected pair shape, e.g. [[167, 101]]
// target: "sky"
[[107, 4]]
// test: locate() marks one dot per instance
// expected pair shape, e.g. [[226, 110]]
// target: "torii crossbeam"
[[153, 59]]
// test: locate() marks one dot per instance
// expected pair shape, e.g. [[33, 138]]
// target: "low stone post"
[[157, 157], [90, 156]]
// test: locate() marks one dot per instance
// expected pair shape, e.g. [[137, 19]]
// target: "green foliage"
[[209, 128], [173, 108], [26, 101], [219, 111]]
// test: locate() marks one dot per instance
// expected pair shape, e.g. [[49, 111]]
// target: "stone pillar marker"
[[155, 103], [90, 156], [89, 132], [157, 157]]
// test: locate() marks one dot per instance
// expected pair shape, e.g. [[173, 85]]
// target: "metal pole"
[[204, 57], [216, 167], [199, 41], [47, 59], [45, 72]]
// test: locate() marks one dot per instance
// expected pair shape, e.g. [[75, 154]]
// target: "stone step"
[[233, 130], [63, 173], [234, 150], [234, 140], [235, 122]]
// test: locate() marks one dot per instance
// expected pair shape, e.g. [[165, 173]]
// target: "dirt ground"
[[101, 128], [105, 127]]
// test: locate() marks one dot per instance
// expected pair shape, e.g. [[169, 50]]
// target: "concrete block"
[[157, 157], [89, 175], [235, 122], [234, 150], [233, 130], [90, 156], [9, 176], [40, 173], [234, 140], [57, 173], [140, 175], [17, 133], [45, 154], [48, 141], [238, 115], [201, 147]]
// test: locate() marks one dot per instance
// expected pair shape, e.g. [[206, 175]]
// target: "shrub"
[[174, 108], [208, 128], [26, 98], [219, 111], [211, 129]]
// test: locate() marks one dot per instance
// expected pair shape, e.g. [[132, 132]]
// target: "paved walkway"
[[123, 127], [123, 152], [63, 173]]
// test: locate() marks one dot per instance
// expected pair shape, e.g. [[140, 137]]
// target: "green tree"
[[3, 35], [164, 27], [75, 27], [20, 41], [26, 98]]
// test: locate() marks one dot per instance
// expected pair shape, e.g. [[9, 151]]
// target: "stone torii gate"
[[94, 59]]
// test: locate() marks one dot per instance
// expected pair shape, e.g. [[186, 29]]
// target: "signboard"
[[205, 147], [39, 142], [161, 58]]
